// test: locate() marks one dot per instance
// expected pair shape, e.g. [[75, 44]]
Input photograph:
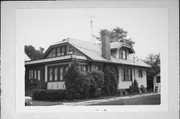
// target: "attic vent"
[[64, 40]]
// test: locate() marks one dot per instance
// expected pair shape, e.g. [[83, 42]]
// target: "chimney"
[[105, 39]]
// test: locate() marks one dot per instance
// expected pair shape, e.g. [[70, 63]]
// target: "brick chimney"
[[105, 39]]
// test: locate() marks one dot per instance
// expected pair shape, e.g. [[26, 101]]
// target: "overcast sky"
[[148, 27]]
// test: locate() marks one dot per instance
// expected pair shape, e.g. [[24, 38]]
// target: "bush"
[[110, 80], [48, 95], [74, 82], [82, 84], [134, 87], [144, 90], [98, 77]]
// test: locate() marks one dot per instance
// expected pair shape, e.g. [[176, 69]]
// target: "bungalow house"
[[48, 72]]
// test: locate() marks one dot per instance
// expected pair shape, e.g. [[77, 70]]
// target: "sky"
[[148, 27]]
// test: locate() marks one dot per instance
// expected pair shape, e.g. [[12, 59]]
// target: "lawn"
[[148, 100]]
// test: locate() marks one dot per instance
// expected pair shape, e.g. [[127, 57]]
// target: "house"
[[157, 82], [48, 72]]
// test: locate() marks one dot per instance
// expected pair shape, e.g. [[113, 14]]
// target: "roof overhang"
[[131, 50], [55, 59]]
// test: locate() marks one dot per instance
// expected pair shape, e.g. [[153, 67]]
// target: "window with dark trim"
[[158, 80], [56, 73], [123, 54], [127, 74], [140, 73], [34, 75]]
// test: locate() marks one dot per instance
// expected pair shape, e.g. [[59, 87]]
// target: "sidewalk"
[[90, 102]]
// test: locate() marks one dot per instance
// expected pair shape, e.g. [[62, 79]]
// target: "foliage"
[[93, 82], [98, 77], [144, 90], [48, 95], [33, 53], [110, 80], [118, 34], [134, 87], [83, 84], [154, 61], [74, 81]]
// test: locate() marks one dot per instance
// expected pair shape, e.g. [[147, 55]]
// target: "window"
[[140, 73], [58, 51], [123, 54], [56, 73], [127, 74], [39, 75], [35, 74], [61, 73], [50, 74], [158, 80], [54, 52], [30, 74], [71, 51], [63, 50]]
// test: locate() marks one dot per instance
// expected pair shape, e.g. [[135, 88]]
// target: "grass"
[[147, 100], [45, 103]]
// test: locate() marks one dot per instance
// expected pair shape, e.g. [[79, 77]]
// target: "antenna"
[[91, 25]]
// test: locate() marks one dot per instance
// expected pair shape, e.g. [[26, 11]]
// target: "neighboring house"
[[49, 71], [157, 82]]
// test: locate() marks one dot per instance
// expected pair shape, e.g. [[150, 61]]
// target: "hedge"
[[48, 95]]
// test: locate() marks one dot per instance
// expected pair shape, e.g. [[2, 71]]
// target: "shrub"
[[48, 95], [98, 92], [74, 81], [110, 80], [98, 77], [93, 82], [134, 87], [144, 90]]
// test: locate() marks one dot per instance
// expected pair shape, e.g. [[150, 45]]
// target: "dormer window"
[[123, 54]]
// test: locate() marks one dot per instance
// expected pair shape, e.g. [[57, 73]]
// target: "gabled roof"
[[117, 45], [94, 52], [91, 51]]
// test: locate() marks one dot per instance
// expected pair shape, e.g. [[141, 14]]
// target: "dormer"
[[60, 49], [121, 50]]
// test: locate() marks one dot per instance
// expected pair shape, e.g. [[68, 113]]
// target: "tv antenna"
[[91, 27]]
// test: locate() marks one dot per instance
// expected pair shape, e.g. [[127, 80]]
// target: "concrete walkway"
[[90, 102]]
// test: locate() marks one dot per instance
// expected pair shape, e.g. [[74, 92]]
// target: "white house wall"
[[141, 80], [127, 84], [123, 84]]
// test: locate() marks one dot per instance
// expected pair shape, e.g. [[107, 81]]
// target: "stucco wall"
[[141, 80], [123, 84], [127, 84]]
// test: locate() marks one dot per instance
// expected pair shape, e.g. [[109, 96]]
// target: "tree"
[[33, 53], [154, 61], [74, 81], [110, 80], [119, 35]]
